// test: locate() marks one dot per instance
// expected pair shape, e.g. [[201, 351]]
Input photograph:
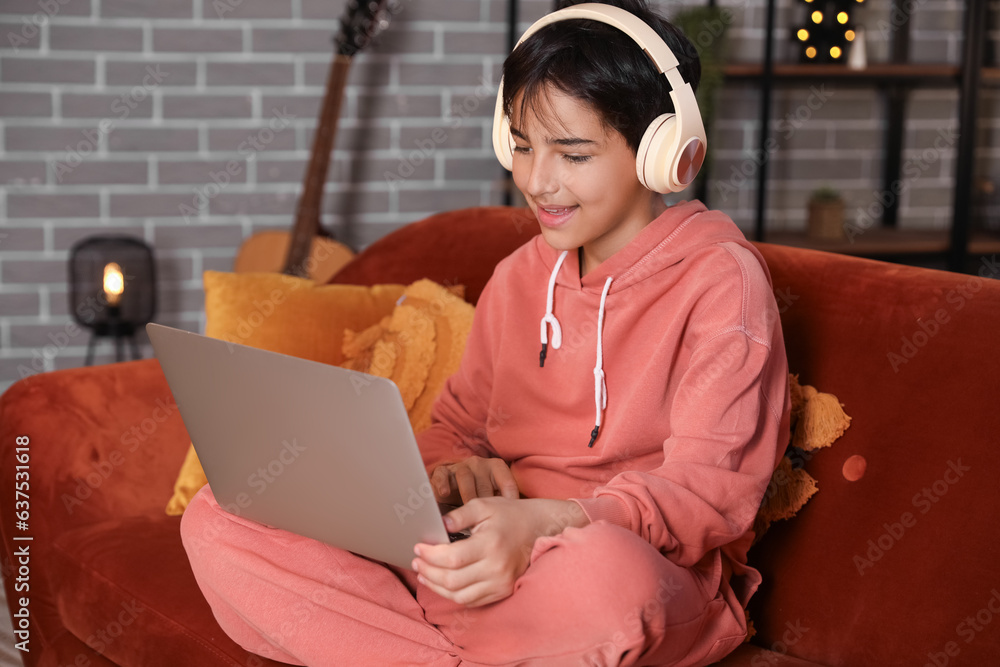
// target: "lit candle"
[[114, 283]]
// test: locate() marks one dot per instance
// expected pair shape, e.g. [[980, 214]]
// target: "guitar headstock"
[[361, 22]]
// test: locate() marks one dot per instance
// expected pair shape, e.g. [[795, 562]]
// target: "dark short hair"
[[601, 66]]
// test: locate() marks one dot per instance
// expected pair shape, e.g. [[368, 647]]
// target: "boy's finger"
[[504, 482], [449, 556], [466, 516], [441, 483], [484, 486], [451, 579], [466, 482]]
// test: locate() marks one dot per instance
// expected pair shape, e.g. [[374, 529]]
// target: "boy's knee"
[[605, 545], [630, 568]]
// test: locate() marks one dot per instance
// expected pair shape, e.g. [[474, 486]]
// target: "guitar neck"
[[307, 217]]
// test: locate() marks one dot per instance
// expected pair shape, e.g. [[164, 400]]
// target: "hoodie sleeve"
[[729, 427], [460, 415]]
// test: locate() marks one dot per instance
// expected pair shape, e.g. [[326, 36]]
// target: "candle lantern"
[[112, 289]]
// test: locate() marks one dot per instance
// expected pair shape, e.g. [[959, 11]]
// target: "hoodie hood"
[[681, 230]]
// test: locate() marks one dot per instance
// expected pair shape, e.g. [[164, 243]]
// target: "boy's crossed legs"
[[598, 595]]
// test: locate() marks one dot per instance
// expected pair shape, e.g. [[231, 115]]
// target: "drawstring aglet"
[[593, 436], [541, 355]]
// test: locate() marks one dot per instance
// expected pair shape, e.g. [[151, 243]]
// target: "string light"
[[828, 32]]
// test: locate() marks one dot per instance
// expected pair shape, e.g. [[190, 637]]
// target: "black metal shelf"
[[921, 74], [895, 79]]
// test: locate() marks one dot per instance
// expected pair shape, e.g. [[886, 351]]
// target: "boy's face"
[[578, 177]]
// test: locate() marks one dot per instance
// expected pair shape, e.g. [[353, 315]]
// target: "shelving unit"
[[896, 79]]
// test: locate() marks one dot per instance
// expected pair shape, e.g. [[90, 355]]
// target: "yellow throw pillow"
[[418, 347], [291, 315], [284, 314], [817, 420]]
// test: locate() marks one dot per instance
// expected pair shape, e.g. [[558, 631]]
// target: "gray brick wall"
[[114, 114]]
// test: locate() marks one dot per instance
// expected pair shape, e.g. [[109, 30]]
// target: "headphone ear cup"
[[654, 159], [502, 139]]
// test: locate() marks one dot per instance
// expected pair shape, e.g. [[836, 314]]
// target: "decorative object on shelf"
[[857, 56], [826, 215], [112, 289], [828, 31]]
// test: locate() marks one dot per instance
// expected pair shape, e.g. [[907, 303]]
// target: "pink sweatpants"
[[598, 595]]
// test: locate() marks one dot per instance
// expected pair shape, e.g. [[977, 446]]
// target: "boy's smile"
[[578, 176]]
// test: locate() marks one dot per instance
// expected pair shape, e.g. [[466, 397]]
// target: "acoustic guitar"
[[309, 250]]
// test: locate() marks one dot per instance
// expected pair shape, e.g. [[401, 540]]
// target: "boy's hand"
[[483, 568], [475, 477]]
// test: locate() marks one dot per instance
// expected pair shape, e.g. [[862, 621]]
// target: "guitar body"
[[267, 251]]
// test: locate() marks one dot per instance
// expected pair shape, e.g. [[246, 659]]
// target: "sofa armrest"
[[105, 442]]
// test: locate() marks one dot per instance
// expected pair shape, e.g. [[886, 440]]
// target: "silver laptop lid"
[[307, 447]]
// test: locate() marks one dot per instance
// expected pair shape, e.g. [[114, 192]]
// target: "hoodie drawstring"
[[600, 387], [549, 317]]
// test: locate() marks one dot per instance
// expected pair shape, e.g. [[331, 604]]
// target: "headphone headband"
[[673, 147], [628, 23]]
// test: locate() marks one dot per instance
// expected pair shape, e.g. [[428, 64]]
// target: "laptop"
[[314, 449]]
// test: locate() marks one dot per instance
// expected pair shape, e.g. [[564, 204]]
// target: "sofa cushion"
[[886, 567], [125, 588], [466, 243]]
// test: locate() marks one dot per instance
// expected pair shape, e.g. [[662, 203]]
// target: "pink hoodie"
[[672, 347]]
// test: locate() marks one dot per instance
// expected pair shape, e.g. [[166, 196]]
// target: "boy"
[[611, 510]]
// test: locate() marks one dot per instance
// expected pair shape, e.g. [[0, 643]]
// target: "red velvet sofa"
[[895, 568]]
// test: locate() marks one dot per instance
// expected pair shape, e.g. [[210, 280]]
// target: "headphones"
[[672, 149]]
